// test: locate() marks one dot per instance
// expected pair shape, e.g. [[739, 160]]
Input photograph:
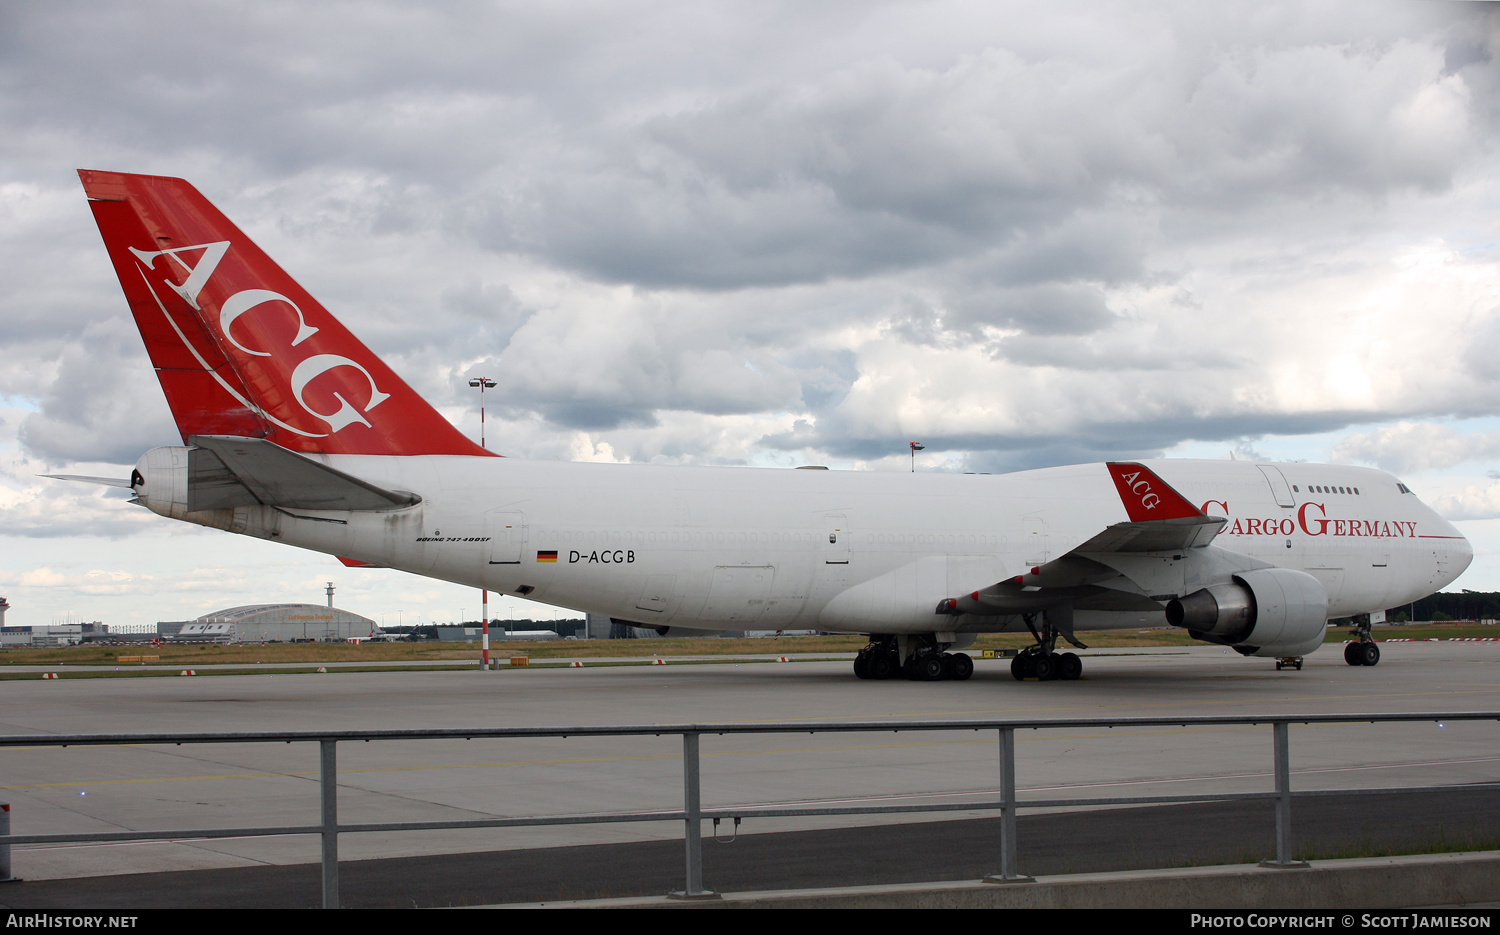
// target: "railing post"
[[692, 808], [1280, 740], [328, 777], [1008, 872], [5, 876]]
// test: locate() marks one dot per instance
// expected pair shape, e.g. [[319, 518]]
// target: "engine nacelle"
[[1269, 612], [675, 630]]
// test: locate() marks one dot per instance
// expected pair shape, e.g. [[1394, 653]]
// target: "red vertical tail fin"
[[239, 347]]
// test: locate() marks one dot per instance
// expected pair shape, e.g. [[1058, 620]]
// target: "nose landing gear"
[[1362, 654], [1364, 651]]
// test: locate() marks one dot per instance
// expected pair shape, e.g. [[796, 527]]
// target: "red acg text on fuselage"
[[1312, 520]]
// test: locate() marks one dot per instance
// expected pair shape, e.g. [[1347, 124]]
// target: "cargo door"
[[507, 533], [738, 594], [835, 539], [658, 593], [1034, 549]]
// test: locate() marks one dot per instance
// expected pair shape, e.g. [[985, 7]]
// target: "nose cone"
[[1457, 554], [1452, 552]]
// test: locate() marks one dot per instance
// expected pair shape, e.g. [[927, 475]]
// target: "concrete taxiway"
[[144, 787]]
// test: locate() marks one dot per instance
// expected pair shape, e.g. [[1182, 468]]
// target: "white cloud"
[[1476, 502], [1412, 447]]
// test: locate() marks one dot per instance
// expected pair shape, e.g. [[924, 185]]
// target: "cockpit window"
[[1402, 487]]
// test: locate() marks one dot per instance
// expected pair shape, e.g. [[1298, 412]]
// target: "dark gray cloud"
[[1102, 441], [1051, 309], [105, 404]]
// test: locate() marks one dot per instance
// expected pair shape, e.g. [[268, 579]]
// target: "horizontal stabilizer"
[[89, 479], [232, 471]]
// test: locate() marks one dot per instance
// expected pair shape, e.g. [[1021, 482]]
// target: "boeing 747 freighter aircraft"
[[294, 431]]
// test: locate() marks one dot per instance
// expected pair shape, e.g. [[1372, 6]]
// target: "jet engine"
[[1269, 612]]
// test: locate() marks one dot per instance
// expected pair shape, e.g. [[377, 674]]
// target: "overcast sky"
[[751, 233]]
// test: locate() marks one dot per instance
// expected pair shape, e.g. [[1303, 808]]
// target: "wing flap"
[[1160, 535]]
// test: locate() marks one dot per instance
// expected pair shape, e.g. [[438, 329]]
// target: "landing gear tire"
[[1044, 667], [880, 666], [862, 666], [1362, 654], [929, 668], [957, 666], [1069, 667], [1020, 666]]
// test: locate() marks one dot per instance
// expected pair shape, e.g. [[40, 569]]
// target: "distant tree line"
[[1461, 605]]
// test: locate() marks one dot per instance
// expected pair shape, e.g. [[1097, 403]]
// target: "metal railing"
[[692, 813]]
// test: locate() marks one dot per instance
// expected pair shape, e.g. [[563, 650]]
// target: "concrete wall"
[[1336, 885]]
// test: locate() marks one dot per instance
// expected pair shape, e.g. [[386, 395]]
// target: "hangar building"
[[256, 623]]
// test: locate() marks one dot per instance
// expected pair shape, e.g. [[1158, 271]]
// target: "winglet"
[[1146, 496]]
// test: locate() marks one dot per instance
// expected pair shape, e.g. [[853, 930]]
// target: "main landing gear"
[[1364, 651], [1041, 662], [1044, 667], [926, 663]]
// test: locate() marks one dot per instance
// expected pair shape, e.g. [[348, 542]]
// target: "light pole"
[[482, 384], [915, 447]]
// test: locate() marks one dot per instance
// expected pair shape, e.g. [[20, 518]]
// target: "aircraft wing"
[[1161, 535], [1159, 553], [228, 471]]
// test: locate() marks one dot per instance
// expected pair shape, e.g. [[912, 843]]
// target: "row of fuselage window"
[[550, 538], [1323, 488]]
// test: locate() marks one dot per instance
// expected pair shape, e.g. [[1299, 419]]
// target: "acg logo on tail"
[[254, 301]]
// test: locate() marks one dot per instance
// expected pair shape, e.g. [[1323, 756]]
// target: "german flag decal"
[[546, 557]]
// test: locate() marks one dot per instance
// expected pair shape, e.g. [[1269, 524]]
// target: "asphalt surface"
[[164, 786], [1078, 842]]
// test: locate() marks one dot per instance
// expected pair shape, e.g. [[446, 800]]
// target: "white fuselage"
[[735, 548]]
